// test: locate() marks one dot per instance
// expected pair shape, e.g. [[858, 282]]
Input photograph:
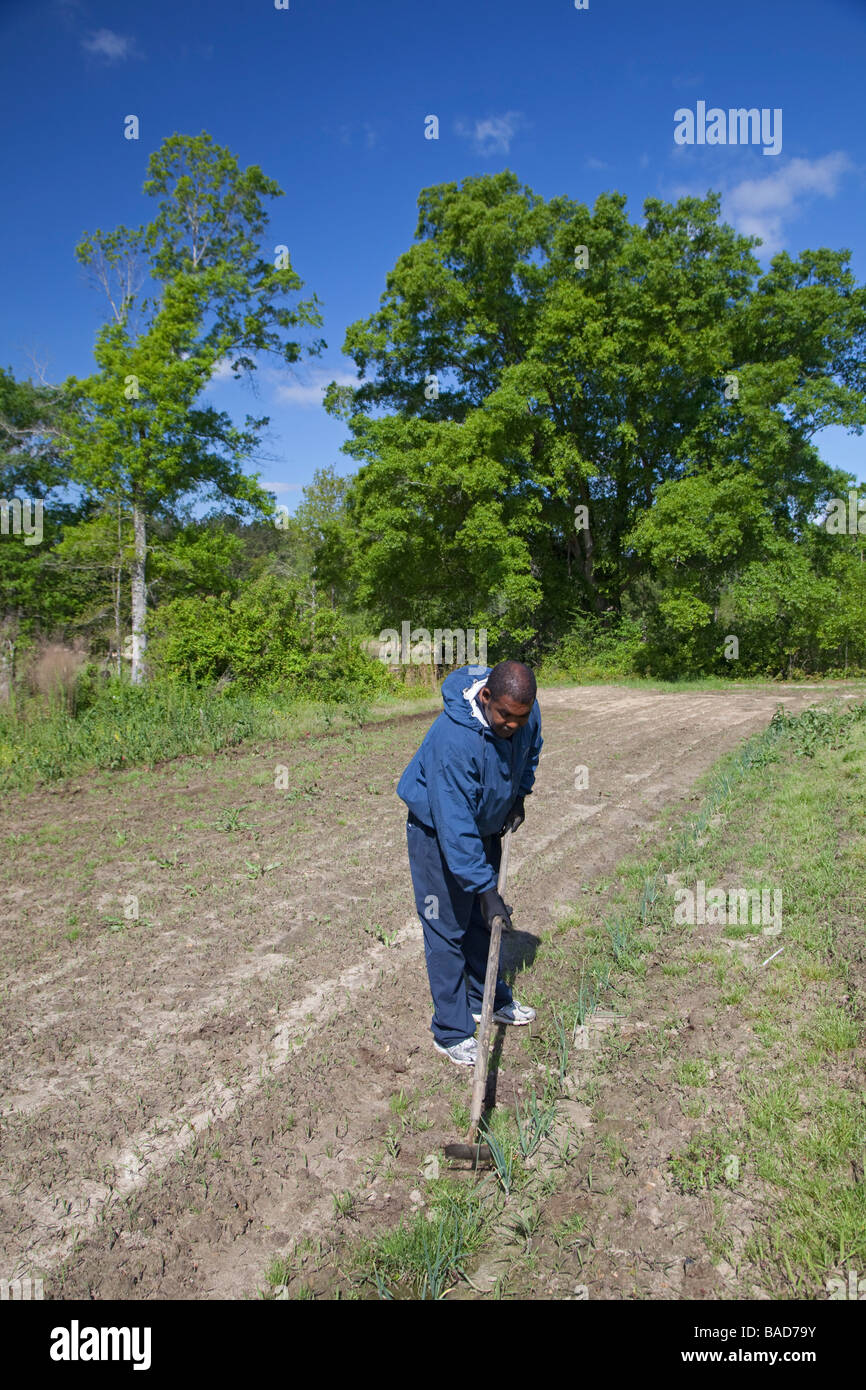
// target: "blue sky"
[[330, 100]]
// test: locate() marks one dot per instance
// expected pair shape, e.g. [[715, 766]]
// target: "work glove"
[[515, 818], [493, 906]]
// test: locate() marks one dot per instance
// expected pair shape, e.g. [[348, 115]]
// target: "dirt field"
[[214, 982]]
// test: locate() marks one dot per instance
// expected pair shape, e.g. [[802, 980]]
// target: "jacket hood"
[[460, 696]]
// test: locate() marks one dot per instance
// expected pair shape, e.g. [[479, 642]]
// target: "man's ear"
[[484, 693]]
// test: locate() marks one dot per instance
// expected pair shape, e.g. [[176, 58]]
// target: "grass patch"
[[125, 726], [799, 1153], [426, 1255], [706, 1162]]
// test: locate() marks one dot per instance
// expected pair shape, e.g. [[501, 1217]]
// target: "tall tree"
[[324, 525], [99, 547], [34, 597], [537, 371], [138, 434]]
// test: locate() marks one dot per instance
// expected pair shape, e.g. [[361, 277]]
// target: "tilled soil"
[[214, 983]]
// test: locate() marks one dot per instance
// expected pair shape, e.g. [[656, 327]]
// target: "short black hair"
[[513, 679]]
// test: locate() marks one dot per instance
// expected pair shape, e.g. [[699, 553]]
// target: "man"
[[464, 787]]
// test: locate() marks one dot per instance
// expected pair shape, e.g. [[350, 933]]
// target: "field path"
[[213, 983]]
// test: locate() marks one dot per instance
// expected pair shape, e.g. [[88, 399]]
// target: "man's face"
[[503, 715]]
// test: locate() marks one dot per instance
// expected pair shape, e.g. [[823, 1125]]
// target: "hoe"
[[472, 1150]]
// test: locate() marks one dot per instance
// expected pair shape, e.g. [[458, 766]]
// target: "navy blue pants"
[[456, 941]]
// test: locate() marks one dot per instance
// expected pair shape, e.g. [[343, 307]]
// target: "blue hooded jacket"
[[464, 779]]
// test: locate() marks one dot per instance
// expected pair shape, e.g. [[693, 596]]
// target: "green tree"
[[100, 549], [537, 373], [324, 527], [195, 560], [35, 596], [138, 434], [841, 628]]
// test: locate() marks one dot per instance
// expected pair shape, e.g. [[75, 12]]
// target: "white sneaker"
[[463, 1053], [512, 1013]]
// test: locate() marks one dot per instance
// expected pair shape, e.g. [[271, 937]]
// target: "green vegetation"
[[703, 1164], [613, 477], [615, 473], [124, 725], [425, 1256], [134, 435]]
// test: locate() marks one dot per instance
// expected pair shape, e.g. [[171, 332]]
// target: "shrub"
[[269, 637], [595, 648]]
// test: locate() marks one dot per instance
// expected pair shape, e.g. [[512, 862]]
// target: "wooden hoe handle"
[[479, 1083]]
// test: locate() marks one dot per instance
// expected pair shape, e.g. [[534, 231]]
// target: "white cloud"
[[494, 134], [105, 43], [761, 207], [287, 389], [311, 393], [351, 131], [278, 488], [593, 163], [222, 370]]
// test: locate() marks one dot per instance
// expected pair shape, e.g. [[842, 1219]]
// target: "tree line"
[[591, 437]]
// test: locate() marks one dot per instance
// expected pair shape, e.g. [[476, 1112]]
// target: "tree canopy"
[[561, 411]]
